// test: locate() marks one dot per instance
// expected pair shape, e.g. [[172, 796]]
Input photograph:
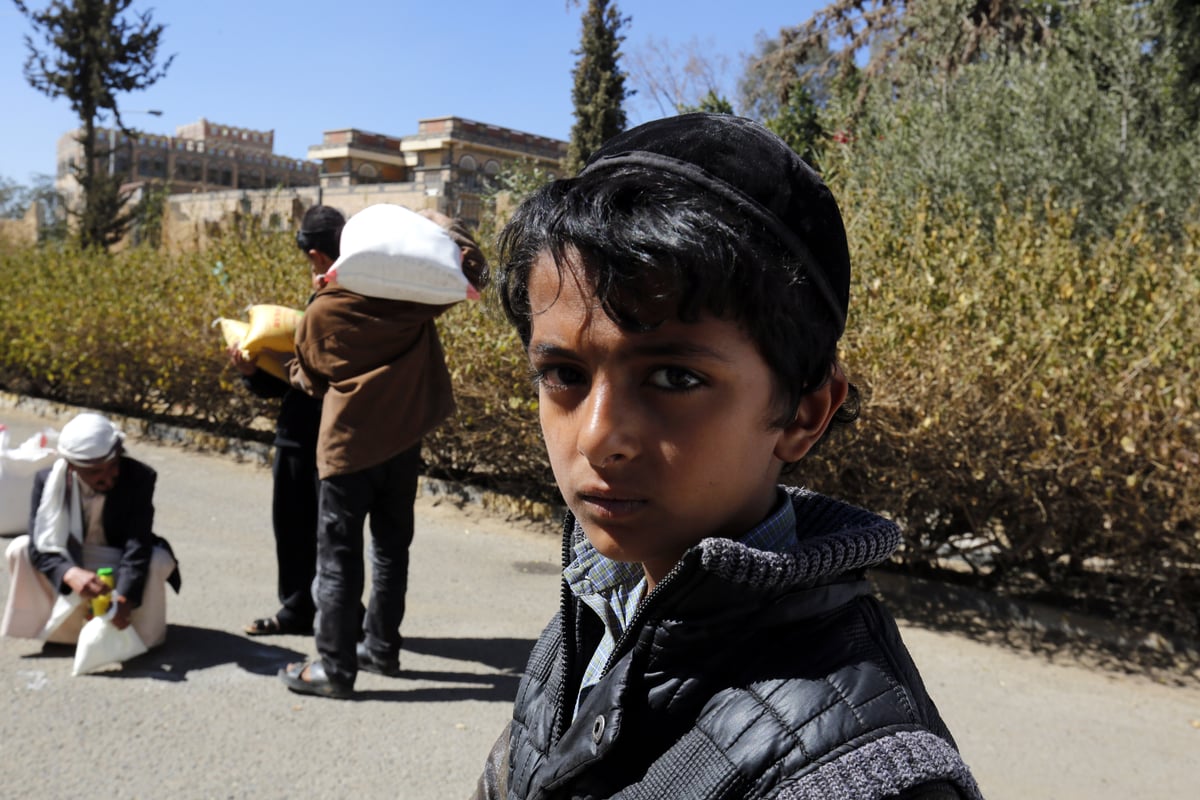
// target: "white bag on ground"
[[101, 643], [17, 469], [390, 252]]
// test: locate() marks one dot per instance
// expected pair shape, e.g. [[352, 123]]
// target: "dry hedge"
[[1030, 414]]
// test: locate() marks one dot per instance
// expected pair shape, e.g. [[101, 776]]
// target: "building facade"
[[449, 159], [201, 157], [214, 171]]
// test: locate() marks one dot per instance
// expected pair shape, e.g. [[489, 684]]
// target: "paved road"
[[205, 717]]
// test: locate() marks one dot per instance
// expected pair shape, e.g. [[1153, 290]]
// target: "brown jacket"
[[379, 366]]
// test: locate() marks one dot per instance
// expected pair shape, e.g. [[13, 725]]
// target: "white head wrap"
[[86, 441], [89, 439]]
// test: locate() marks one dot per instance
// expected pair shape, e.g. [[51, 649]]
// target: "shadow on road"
[[466, 686], [506, 655], [188, 648]]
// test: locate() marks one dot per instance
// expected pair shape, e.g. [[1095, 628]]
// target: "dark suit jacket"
[[128, 526]]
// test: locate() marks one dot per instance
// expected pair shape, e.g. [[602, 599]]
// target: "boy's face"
[[657, 439]]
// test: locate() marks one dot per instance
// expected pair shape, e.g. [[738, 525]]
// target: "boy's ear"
[[813, 416], [320, 260]]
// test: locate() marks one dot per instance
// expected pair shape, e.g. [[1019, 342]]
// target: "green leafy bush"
[[1090, 118]]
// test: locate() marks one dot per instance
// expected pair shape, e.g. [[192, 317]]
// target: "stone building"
[[201, 157], [448, 159], [214, 172]]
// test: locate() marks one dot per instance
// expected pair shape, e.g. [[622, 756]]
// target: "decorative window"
[[468, 164], [492, 167]]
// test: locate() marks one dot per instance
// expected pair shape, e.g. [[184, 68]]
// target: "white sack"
[[101, 644], [17, 469], [391, 252]]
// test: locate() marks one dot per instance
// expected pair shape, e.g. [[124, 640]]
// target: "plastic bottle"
[[100, 604]]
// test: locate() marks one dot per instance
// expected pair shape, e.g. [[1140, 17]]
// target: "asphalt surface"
[[205, 716]]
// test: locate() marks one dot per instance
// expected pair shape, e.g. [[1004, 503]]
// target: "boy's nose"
[[608, 431]]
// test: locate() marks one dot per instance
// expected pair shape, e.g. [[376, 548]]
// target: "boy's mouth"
[[610, 505]]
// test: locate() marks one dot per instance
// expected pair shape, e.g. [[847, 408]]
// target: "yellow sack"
[[233, 331], [271, 328], [262, 345]]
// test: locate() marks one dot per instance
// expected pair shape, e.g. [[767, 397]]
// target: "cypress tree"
[[599, 92], [91, 53]]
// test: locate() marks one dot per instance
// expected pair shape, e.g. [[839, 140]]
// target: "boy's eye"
[[557, 377], [675, 379]]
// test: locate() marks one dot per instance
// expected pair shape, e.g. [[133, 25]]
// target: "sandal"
[[271, 626], [317, 683]]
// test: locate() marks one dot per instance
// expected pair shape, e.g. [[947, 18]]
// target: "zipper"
[[649, 603], [640, 613], [567, 627]]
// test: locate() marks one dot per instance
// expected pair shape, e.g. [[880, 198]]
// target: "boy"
[[681, 302]]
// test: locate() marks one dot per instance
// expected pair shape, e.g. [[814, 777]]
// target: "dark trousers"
[[294, 516], [385, 493]]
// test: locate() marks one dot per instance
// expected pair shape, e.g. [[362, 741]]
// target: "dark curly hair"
[[648, 240]]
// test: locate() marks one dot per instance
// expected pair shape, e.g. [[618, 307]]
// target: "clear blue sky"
[[300, 67]]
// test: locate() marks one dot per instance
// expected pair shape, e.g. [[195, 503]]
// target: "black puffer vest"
[[744, 674]]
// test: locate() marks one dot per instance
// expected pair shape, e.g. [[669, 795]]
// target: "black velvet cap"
[[321, 230], [757, 174]]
